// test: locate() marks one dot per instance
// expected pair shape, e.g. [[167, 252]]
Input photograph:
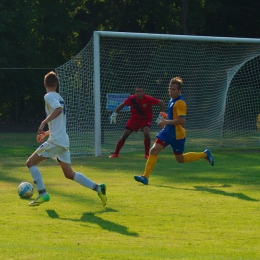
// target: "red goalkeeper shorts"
[[135, 125]]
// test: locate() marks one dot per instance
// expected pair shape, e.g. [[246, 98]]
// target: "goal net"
[[221, 88]]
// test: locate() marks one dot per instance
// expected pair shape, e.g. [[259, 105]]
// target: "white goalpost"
[[221, 86]]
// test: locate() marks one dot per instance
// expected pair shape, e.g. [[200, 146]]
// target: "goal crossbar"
[[175, 37]]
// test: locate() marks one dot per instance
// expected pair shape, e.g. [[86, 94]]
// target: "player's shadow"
[[90, 217], [240, 196], [212, 190]]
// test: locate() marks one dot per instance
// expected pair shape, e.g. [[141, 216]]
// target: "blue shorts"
[[177, 145]]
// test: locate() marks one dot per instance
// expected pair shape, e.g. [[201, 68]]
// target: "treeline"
[[39, 36]]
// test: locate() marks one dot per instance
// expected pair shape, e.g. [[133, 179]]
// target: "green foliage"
[[34, 35], [46, 34], [233, 18]]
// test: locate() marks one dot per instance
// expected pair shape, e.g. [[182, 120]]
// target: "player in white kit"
[[57, 145]]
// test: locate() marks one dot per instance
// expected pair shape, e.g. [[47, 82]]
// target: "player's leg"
[[157, 147], [65, 164], [32, 163], [191, 156], [194, 156], [178, 149], [121, 142], [209, 157], [129, 128], [127, 132], [147, 140]]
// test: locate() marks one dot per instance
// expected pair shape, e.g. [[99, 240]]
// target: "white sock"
[[37, 178], [83, 180]]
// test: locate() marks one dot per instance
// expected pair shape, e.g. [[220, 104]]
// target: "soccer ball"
[[25, 190]]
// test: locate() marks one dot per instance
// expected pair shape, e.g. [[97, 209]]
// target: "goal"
[[221, 87]]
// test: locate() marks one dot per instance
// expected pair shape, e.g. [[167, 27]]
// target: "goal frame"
[[96, 62]]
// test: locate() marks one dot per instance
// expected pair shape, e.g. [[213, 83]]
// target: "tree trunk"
[[184, 14]]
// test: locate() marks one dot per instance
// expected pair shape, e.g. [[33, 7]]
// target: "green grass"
[[188, 211]]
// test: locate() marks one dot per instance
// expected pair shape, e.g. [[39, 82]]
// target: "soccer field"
[[188, 211]]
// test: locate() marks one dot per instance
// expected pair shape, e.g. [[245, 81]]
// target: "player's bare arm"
[[119, 108], [41, 137], [161, 104], [162, 114], [49, 118]]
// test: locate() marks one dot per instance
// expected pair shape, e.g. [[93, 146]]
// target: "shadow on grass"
[[212, 190], [92, 218], [240, 196]]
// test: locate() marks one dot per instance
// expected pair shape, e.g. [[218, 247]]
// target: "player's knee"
[[179, 159], [28, 163], [153, 151], [147, 135], [69, 174], [124, 137]]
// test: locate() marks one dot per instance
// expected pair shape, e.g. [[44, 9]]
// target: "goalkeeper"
[[141, 118], [173, 133]]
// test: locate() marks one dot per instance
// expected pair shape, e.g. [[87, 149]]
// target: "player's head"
[[178, 81], [139, 92], [175, 87], [51, 80]]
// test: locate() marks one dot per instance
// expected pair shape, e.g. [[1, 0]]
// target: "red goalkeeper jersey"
[[141, 109]]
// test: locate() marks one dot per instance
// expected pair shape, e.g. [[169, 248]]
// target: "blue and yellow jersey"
[[176, 108]]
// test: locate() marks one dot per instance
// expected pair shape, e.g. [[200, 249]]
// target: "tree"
[[194, 14], [46, 34], [158, 16], [35, 34], [234, 18]]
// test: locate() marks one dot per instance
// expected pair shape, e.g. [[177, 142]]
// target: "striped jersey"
[[176, 108], [141, 109]]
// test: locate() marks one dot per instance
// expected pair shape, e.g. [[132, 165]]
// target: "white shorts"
[[49, 150]]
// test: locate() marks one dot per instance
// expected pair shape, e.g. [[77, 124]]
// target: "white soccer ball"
[[25, 190]]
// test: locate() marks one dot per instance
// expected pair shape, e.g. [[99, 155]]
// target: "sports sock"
[[37, 178], [192, 156], [152, 159], [119, 145], [83, 180], [147, 144]]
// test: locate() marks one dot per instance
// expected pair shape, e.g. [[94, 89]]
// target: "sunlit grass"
[[188, 211]]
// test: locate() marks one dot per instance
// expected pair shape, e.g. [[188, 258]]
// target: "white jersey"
[[57, 126]]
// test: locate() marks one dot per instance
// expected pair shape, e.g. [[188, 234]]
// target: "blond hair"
[[177, 80]]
